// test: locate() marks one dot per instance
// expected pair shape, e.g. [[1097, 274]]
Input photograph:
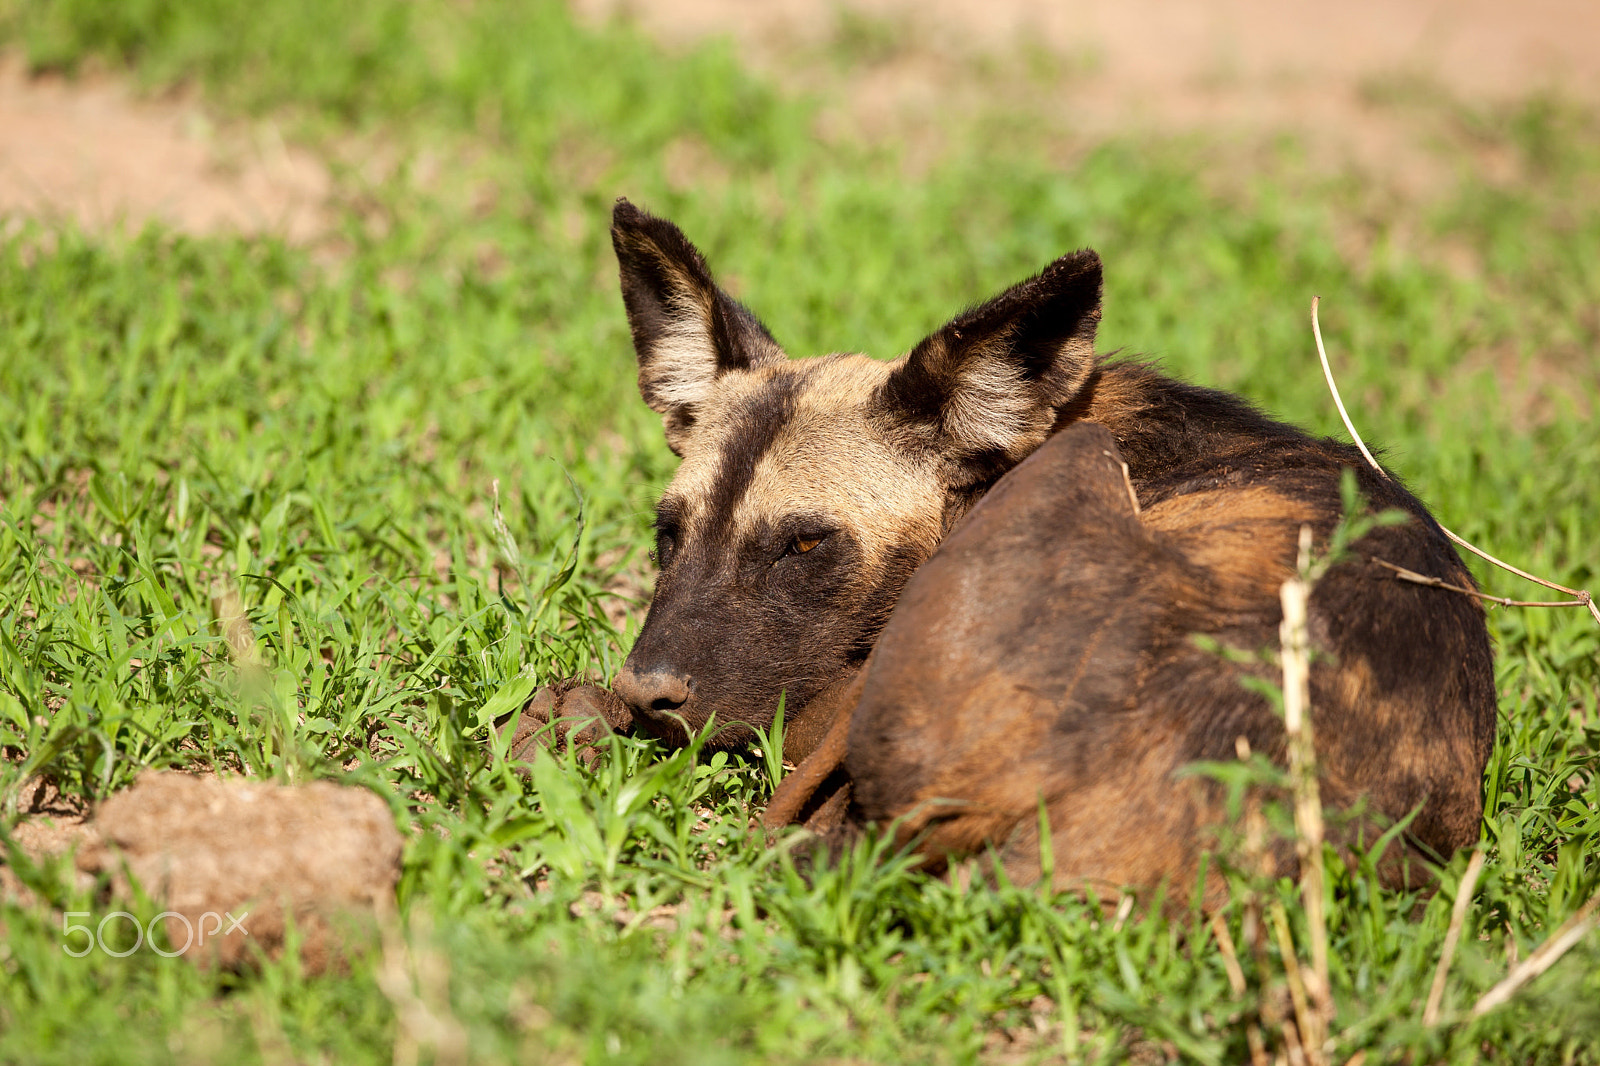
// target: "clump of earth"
[[239, 867]]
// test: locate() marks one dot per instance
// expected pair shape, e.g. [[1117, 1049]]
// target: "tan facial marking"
[[831, 460]]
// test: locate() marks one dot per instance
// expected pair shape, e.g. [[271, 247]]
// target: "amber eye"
[[665, 543], [801, 545]]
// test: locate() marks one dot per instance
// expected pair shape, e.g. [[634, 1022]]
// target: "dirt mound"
[[318, 857]]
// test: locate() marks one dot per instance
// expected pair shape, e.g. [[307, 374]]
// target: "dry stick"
[[1230, 957], [1250, 925], [1307, 1032], [233, 620], [1258, 1046], [1572, 930], [415, 978], [1423, 579], [227, 607], [1230, 963], [1295, 639], [1458, 916], [1583, 597]]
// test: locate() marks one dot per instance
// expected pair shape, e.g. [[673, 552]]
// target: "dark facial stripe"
[[875, 608], [757, 427]]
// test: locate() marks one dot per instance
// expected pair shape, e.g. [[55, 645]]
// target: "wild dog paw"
[[563, 714]]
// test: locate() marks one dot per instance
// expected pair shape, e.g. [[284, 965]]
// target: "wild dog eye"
[[804, 543], [666, 543]]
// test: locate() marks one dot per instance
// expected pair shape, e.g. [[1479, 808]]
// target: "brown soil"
[[1364, 81], [317, 858], [92, 152], [1181, 61]]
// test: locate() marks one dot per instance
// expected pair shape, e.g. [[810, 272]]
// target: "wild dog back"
[[1046, 652]]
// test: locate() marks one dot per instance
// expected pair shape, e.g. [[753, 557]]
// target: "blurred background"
[[1357, 83]]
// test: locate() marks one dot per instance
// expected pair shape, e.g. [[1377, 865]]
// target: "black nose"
[[654, 694]]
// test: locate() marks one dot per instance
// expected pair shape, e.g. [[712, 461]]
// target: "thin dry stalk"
[[1458, 916], [1433, 582], [1544, 956], [1236, 981], [1295, 641], [415, 978], [1582, 597], [1579, 925], [1124, 909], [1309, 1031], [227, 607], [1255, 836], [1127, 481], [1230, 957], [1258, 1046], [1294, 1054]]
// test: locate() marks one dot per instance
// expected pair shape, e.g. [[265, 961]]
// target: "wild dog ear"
[[984, 390], [686, 331]]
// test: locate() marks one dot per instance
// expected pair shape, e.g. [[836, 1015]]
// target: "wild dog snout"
[[654, 692]]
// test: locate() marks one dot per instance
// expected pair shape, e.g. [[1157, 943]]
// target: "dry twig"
[[1544, 956], [1295, 639], [415, 978], [1230, 957], [1255, 834], [233, 622], [1458, 916], [1230, 963], [1308, 1033], [1581, 597], [1433, 582]]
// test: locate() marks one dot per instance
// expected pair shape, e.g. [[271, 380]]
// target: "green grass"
[[325, 430]]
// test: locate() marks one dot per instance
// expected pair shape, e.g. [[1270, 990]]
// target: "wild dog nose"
[[655, 693]]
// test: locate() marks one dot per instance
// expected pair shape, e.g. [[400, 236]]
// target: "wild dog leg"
[[818, 791], [582, 715], [585, 714]]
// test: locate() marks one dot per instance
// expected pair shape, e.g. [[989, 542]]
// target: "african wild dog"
[[1048, 649]]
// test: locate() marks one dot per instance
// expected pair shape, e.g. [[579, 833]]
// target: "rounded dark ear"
[[983, 391], [686, 331]]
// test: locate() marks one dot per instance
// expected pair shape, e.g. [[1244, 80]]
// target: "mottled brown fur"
[[1045, 650], [1045, 654]]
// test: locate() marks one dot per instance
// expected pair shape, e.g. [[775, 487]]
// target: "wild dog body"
[[1047, 650]]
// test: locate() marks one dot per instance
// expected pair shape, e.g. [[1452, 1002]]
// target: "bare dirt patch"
[[1176, 50], [92, 152], [1349, 76]]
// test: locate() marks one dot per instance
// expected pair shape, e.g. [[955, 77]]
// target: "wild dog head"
[[810, 489]]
